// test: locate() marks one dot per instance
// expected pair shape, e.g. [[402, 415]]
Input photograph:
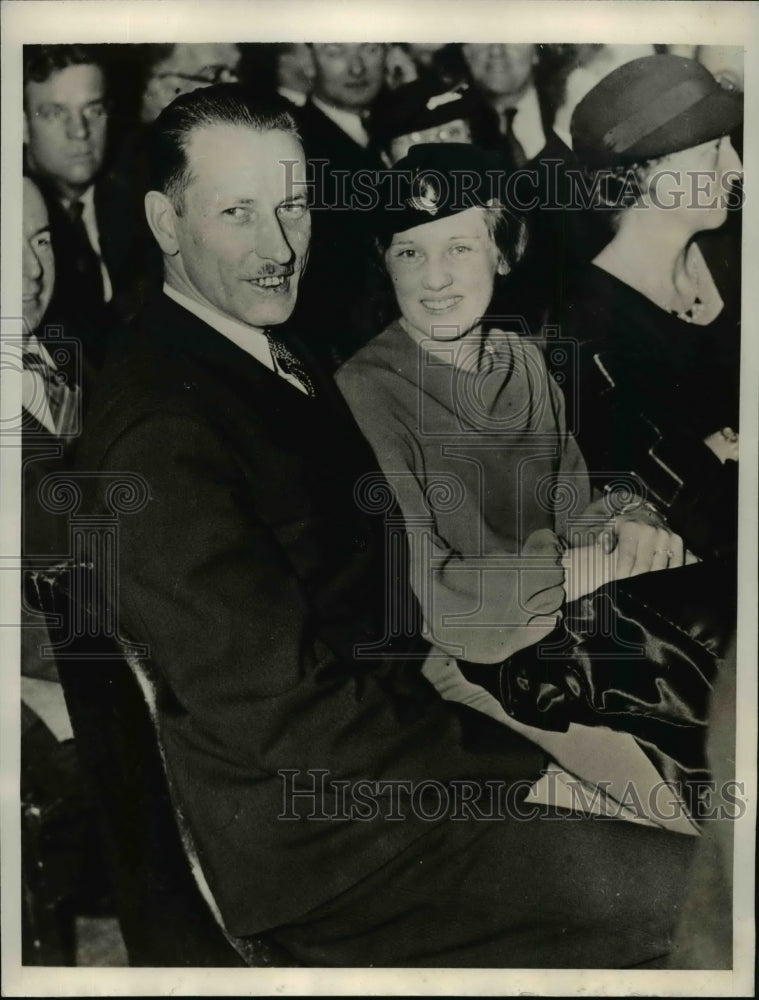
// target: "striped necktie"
[[289, 365]]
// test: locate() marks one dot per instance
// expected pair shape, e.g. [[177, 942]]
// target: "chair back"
[[167, 912]]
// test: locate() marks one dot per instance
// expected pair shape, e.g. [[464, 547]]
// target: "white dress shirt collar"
[[250, 339], [296, 97], [349, 121], [528, 124]]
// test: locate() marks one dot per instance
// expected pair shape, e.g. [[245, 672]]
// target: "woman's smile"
[[440, 305]]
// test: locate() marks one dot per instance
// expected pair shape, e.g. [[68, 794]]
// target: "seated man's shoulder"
[[146, 384]]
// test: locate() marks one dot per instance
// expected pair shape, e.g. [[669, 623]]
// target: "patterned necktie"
[[286, 361], [62, 400], [514, 147], [84, 258]]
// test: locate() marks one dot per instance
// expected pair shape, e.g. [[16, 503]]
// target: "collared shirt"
[[349, 121], [528, 124], [91, 226], [250, 339], [293, 96]]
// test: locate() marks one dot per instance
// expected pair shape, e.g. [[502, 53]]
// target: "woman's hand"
[[627, 546], [644, 548]]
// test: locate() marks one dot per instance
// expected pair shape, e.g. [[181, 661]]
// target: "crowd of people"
[[519, 267]]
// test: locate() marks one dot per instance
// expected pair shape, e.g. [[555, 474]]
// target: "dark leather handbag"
[[639, 655]]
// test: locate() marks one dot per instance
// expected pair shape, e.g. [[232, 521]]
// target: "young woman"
[[470, 429]]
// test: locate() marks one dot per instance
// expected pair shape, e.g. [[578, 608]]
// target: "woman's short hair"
[[508, 231], [614, 190]]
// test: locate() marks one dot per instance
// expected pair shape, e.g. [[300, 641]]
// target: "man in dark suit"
[[343, 161], [93, 231], [309, 753]]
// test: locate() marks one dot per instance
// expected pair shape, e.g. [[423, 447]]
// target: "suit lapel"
[[180, 333]]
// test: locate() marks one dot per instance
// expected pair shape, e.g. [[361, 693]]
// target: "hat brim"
[[715, 115]]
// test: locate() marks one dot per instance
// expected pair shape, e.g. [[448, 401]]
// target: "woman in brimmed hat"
[[655, 385], [469, 428]]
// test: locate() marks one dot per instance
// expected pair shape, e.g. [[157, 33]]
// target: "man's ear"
[[161, 217], [503, 267]]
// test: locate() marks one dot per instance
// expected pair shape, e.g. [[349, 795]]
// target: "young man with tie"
[[66, 112]]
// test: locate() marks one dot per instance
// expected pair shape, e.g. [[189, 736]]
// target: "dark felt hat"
[[419, 105], [651, 107], [438, 179]]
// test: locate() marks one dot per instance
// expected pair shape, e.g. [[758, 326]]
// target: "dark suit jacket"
[[333, 295], [120, 223], [645, 388], [559, 235], [252, 574], [323, 139]]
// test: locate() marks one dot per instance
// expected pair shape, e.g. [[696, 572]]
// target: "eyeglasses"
[[206, 77], [57, 114]]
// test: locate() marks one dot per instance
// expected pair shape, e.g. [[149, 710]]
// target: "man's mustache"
[[287, 272]]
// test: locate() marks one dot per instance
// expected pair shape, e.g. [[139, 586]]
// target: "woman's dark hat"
[[651, 107], [419, 105], [438, 179]]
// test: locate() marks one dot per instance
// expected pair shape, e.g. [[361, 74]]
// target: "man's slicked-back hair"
[[222, 104]]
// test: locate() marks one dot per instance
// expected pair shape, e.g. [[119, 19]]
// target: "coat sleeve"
[[205, 583], [631, 428]]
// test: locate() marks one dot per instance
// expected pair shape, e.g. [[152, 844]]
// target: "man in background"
[[171, 70], [336, 130], [294, 72], [504, 75], [66, 116]]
